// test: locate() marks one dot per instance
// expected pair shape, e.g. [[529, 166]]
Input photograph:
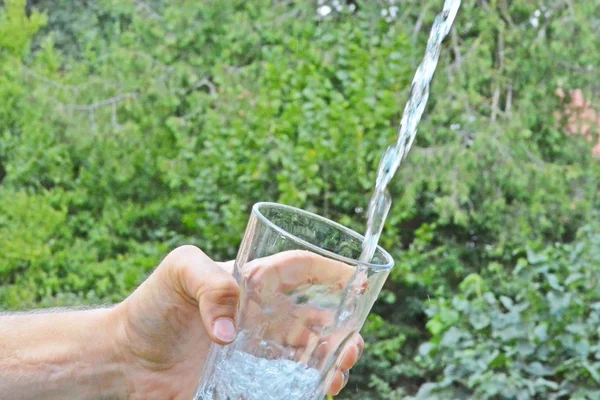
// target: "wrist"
[[93, 362], [122, 350], [61, 355], [113, 322]]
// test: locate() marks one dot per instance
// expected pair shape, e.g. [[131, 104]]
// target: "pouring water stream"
[[381, 201]]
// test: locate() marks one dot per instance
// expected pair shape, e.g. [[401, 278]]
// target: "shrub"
[[128, 128], [523, 334]]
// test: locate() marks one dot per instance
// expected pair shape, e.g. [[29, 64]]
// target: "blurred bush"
[[129, 127], [532, 332]]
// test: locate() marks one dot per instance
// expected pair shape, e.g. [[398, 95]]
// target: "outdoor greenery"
[[129, 127]]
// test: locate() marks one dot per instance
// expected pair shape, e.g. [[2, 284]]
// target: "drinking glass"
[[304, 295]]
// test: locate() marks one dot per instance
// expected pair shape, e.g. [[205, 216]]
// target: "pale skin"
[[151, 346]]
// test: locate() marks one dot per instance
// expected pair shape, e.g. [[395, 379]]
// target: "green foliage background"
[[129, 127]]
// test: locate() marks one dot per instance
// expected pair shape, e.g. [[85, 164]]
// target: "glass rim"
[[256, 210]]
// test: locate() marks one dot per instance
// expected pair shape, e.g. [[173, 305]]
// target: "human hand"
[[165, 328]]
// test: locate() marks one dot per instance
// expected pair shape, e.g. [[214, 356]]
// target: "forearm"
[[65, 355]]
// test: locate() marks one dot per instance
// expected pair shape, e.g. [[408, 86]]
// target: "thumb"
[[215, 290]]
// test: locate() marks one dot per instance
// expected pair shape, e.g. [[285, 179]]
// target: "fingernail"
[[224, 329], [360, 351], [346, 375]]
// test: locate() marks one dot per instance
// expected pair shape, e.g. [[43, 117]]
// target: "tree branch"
[[212, 89], [455, 47], [51, 82], [99, 104], [500, 64], [92, 118], [149, 10], [75, 89], [468, 53], [506, 14], [419, 23], [509, 94]]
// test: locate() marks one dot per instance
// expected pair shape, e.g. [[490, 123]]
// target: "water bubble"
[[244, 376]]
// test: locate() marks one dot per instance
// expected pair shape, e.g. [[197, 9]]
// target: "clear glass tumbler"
[[304, 295]]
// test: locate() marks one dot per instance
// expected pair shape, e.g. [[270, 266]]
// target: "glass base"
[[238, 375]]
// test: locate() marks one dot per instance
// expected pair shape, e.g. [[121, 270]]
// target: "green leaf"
[[435, 327], [558, 303], [538, 369], [479, 320], [553, 282], [506, 302], [541, 332], [593, 370], [573, 278]]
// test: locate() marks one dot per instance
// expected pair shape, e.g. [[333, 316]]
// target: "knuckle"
[[299, 254], [302, 256], [224, 292], [179, 259], [186, 251]]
